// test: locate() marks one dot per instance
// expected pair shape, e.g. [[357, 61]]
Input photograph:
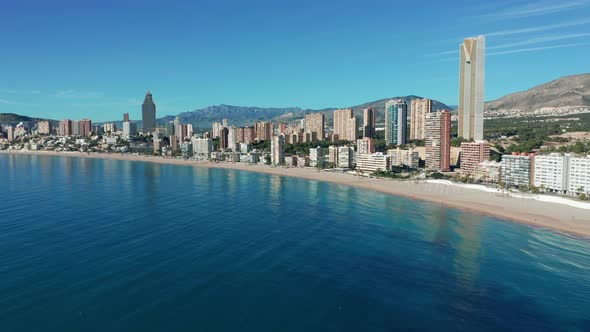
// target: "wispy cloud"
[[73, 94], [538, 8], [7, 102], [538, 28], [539, 40], [536, 49]]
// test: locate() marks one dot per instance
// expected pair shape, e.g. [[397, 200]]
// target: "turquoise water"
[[105, 245]]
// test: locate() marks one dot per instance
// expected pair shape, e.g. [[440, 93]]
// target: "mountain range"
[[568, 91], [240, 115]]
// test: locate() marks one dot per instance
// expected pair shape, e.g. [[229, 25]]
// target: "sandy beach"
[[555, 216]]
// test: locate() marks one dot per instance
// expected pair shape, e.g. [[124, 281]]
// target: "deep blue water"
[[104, 245]]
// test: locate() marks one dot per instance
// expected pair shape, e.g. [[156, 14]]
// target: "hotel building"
[[472, 154], [373, 162], [345, 125]]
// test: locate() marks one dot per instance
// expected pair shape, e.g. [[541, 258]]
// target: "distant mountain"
[[240, 115], [568, 91], [10, 118]]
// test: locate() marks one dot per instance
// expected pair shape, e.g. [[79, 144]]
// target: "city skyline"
[[102, 79]]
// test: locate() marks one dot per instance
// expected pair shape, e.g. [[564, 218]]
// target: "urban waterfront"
[[90, 244]]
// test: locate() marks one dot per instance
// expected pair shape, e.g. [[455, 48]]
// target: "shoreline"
[[556, 216]]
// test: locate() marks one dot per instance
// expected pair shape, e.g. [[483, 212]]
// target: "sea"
[[110, 245]]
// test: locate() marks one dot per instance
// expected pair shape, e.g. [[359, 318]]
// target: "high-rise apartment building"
[[85, 127], [420, 108], [438, 141], [369, 122], [408, 158], [315, 123], [249, 134], [365, 146], [396, 115], [579, 175], [316, 156], [472, 87], [148, 113], [223, 138], [125, 117], [277, 150], [110, 128], [44, 127], [345, 125], [472, 154], [264, 131], [65, 127], [333, 155], [345, 157], [551, 172], [202, 147], [129, 129], [517, 169]]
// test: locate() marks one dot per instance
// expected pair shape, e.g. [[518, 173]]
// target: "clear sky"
[[97, 58]]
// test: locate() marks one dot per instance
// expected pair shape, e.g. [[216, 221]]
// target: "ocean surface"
[[106, 245]]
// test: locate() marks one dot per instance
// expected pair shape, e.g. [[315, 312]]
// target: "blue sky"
[[97, 58]]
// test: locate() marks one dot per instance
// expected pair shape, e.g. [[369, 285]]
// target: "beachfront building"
[[186, 148], [232, 138], [365, 146], [277, 150], [302, 161], [472, 154], [250, 158], [488, 171], [369, 122], [551, 172], [345, 125], [202, 147], [408, 158], [345, 157], [438, 141], [314, 127], [333, 154], [516, 169], [396, 114], [316, 156], [579, 175], [420, 108], [471, 87], [373, 162]]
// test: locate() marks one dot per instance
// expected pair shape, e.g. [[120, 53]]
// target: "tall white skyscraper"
[[472, 87]]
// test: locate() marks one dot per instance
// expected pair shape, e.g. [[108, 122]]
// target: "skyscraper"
[[345, 125], [65, 127], [148, 113], [396, 117], [369, 122], [471, 88], [223, 138], [277, 150], [264, 131], [85, 127], [314, 123], [125, 117], [438, 141], [44, 127], [420, 107]]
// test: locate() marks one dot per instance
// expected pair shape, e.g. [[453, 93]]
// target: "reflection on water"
[[468, 250]]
